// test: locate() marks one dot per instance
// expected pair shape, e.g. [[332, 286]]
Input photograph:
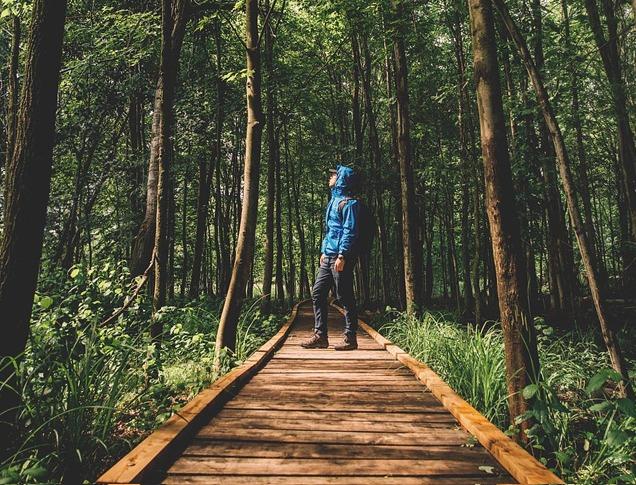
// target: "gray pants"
[[343, 281]]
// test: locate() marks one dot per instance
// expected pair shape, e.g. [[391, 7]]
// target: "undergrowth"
[[582, 430], [87, 395]]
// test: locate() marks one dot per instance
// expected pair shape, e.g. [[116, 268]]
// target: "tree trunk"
[[28, 182], [226, 335], [519, 337], [609, 336], [407, 191], [608, 49], [174, 15], [145, 238], [268, 261]]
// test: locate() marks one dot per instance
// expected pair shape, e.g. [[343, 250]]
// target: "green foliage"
[[580, 428], [86, 392]]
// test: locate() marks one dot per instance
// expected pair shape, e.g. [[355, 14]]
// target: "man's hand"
[[340, 263], [322, 257]]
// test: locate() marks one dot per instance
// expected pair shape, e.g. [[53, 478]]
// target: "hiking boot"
[[349, 342], [316, 341]]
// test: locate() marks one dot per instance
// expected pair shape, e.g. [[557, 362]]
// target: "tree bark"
[[144, 241], [12, 89], [609, 336], [268, 262], [226, 334], [407, 191], [174, 15], [28, 181], [519, 337]]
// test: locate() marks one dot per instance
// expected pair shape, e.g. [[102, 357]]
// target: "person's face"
[[332, 179]]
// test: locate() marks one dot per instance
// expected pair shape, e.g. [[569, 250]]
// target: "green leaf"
[[530, 390], [601, 406], [626, 406], [597, 381], [74, 273], [616, 437], [46, 302]]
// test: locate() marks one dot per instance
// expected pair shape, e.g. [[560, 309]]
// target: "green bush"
[[86, 390], [582, 430]]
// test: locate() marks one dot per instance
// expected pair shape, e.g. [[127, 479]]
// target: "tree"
[[609, 336], [28, 181], [174, 14], [145, 239], [519, 337], [226, 334], [407, 190]]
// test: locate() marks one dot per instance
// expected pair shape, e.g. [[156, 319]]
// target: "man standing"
[[337, 260]]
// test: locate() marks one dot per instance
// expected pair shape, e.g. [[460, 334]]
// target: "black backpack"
[[366, 226]]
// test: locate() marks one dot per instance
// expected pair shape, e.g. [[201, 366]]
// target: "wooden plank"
[[158, 444], [517, 461], [324, 467], [410, 397], [335, 386], [351, 406], [351, 417], [439, 437], [330, 354], [352, 451], [332, 425], [305, 480]]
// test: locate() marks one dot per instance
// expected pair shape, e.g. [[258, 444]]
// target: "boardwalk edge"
[[156, 446], [510, 455]]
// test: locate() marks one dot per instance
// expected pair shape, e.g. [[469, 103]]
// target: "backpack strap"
[[343, 202]]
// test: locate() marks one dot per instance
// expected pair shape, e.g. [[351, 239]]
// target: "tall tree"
[[609, 336], [174, 15], [404, 155], [608, 49], [226, 334], [519, 336], [145, 239], [28, 182]]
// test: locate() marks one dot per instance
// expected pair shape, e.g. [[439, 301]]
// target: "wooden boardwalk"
[[320, 416]]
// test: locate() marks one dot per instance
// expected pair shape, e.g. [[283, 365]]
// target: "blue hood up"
[[345, 180]]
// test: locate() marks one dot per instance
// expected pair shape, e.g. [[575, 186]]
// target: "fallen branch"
[[140, 285]]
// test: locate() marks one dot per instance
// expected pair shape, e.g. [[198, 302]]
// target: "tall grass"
[[582, 430], [86, 391]]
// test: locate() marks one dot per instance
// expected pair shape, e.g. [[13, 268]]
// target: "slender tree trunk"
[[519, 337], [145, 239], [407, 191], [174, 14], [608, 48], [609, 336], [28, 182], [268, 262], [226, 335]]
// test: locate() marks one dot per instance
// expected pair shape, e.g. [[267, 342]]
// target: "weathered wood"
[[264, 449], [305, 480], [312, 420], [179, 426], [325, 467], [517, 461]]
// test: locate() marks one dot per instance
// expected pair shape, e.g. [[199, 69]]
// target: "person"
[[337, 260]]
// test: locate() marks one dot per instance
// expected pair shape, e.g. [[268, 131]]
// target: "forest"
[[164, 167]]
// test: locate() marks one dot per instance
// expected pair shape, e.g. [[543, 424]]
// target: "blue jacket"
[[342, 227]]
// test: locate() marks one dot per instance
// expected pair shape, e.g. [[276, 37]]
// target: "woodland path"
[[291, 415]]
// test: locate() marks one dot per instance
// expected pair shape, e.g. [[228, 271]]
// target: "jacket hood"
[[345, 179]]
